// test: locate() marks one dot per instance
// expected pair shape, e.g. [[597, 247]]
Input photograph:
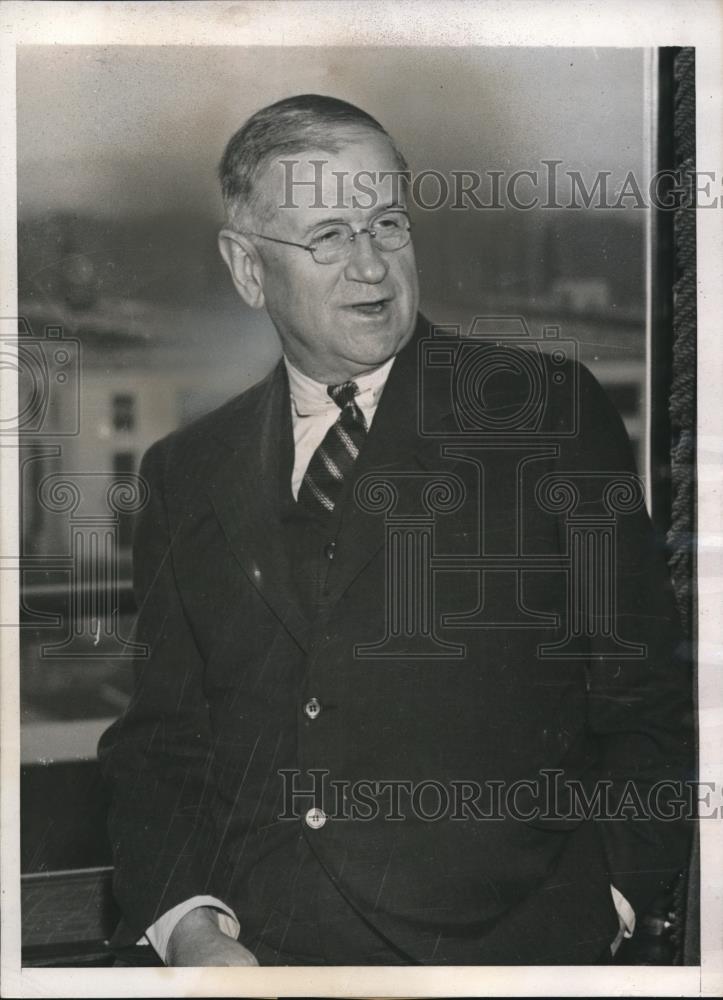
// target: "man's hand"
[[198, 940]]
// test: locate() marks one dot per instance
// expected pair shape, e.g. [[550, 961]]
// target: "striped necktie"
[[334, 459]]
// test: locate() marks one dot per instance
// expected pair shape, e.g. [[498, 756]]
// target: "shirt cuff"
[[626, 918], [159, 933], [625, 912]]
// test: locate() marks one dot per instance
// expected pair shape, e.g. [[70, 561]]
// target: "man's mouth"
[[372, 307]]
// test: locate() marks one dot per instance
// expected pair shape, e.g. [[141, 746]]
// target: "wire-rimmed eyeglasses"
[[333, 243]]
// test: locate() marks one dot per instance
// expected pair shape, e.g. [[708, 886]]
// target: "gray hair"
[[289, 126]]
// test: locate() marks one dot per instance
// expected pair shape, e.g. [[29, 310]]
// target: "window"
[[124, 412]]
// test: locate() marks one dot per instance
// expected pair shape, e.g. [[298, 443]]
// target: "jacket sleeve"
[[158, 757], [639, 707]]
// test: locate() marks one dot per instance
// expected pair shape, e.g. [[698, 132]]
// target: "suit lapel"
[[394, 445], [244, 482], [244, 490]]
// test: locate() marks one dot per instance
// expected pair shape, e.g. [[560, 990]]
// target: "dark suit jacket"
[[218, 712]]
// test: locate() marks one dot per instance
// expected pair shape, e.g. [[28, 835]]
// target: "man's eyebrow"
[[335, 220]]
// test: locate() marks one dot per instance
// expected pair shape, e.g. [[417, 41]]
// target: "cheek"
[[301, 304], [410, 287], [316, 312], [407, 275]]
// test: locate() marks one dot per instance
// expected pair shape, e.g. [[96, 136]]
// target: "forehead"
[[310, 186]]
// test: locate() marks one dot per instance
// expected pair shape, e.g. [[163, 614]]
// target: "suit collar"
[[243, 487], [396, 444], [398, 435]]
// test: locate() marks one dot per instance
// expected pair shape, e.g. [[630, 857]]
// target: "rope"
[[684, 915]]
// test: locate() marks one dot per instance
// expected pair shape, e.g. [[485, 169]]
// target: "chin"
[[394, 334], [378, 350]]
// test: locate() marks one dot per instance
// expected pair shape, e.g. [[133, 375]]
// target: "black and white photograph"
[[360, 543]]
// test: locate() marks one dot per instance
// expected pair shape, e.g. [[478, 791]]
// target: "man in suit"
[[391, 600]]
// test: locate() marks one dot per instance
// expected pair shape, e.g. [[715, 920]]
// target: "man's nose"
[[366, 262]]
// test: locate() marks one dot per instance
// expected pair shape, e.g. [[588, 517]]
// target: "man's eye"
[[393, 221], [334, 234]]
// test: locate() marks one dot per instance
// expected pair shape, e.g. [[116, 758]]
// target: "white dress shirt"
[[313, 412]]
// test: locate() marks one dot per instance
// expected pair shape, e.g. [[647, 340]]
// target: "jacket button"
[[312, 708], [329, 550], [315, 818]]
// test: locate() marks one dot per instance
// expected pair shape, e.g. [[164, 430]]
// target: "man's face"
[[336, 320]]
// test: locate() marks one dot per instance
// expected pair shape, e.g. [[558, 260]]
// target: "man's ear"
[[245, 265]]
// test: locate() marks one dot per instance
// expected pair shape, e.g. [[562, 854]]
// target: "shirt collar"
[[309, 396]]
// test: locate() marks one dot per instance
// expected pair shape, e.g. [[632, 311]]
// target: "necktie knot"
[[332, 462], [343, 394]]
